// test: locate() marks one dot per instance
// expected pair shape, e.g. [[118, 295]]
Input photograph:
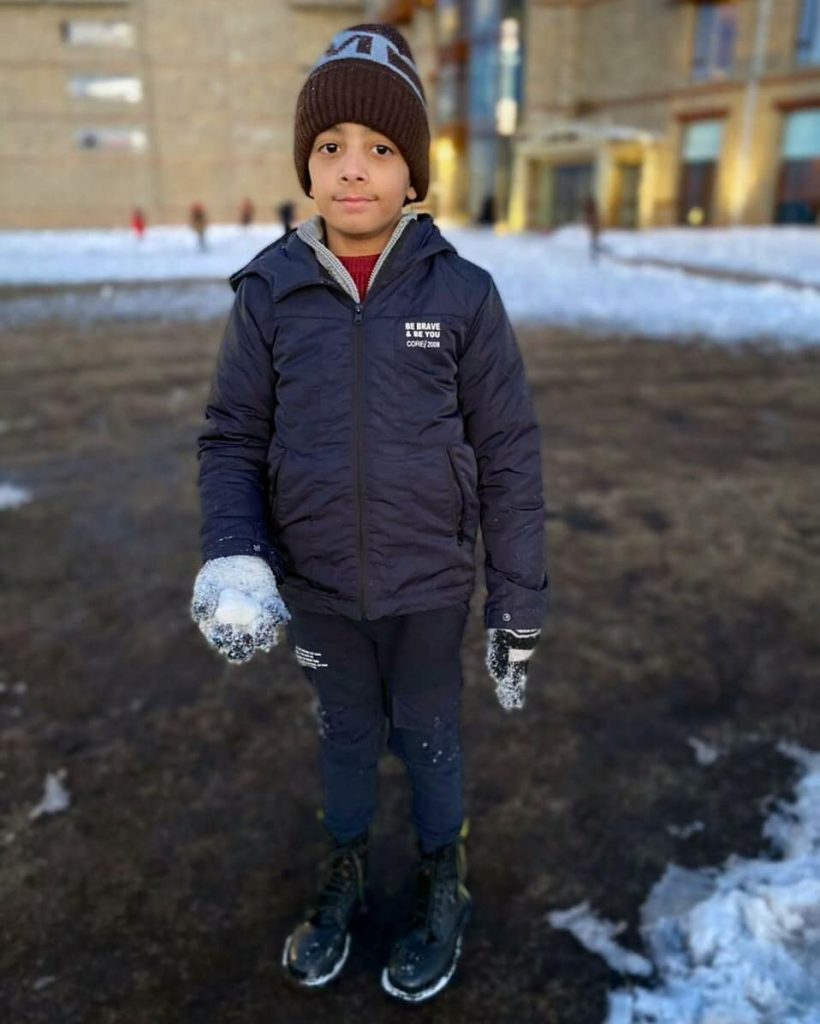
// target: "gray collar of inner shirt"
[[312, 232]]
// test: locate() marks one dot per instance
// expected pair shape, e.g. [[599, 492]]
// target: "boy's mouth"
[[353, 202]]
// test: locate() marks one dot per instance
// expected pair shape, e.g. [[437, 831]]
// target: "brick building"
[[110, 104], [666, 111]]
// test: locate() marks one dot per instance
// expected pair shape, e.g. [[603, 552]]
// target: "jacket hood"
[[291, 262]]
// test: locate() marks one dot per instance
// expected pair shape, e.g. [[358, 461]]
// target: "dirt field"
[[684, 545]]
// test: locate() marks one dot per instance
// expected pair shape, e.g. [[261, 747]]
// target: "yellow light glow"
[[445, 150]]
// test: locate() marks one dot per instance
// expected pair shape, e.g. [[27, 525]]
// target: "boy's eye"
[[378, 145]]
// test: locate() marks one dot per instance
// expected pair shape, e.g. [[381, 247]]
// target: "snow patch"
[[55, 796], [12, 496], [599, 937], [705, 753], [735, 945]]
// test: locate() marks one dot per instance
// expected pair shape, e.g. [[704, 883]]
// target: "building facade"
[[669, 112], [664, 111], [108, 105]]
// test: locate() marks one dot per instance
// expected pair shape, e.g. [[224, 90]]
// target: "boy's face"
[[350, 160]]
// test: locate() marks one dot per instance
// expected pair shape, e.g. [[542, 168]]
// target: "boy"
[[368, 411]]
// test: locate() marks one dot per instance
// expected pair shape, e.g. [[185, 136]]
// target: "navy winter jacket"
[[358, 446]]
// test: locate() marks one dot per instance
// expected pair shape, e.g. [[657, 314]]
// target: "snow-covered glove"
[[508, 651], [237, 606]]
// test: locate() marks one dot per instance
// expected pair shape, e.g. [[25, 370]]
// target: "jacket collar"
[[300, 258], [313, 233]]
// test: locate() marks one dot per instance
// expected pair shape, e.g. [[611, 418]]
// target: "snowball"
[[236, 609]]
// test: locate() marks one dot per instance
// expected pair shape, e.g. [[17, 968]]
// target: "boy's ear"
[[411, 193]]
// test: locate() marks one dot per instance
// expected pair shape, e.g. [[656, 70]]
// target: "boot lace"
[[342, 882], [433, 885]]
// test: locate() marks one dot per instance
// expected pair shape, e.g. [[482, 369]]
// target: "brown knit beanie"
[[366, 75]]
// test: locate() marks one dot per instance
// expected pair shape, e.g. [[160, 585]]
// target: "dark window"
[[798, 190], [808, 35], [715, 34]]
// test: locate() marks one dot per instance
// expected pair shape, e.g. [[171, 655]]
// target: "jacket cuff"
[[235, 546], [514, 607]]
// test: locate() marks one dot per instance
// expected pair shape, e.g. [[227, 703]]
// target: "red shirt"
[[360, 268]]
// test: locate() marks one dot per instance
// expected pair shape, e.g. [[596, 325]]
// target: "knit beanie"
[[366, 75]]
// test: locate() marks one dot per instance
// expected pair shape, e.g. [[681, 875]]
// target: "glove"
[[508, 651], [237, 606]]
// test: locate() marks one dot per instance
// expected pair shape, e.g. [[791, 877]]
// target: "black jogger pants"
[[403, 671]]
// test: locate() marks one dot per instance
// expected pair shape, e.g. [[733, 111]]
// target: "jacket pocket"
[[276, 459], [458, 491]]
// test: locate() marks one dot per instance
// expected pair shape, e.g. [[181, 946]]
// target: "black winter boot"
[[317, 949], [424, 959]]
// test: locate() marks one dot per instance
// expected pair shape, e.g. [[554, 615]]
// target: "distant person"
[[487, 214], [247, 212], [199, 224], [343, 508], [286, 211], [138, 222], [593, 222]]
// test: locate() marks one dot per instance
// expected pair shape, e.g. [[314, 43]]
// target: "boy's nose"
[[352, 170]]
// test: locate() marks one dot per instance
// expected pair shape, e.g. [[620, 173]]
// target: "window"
[[801, 140], [126, 140], [115, 88], [808, 36], [715, 33], [97, 33], [798, 200], [701, 156], [703, 139]]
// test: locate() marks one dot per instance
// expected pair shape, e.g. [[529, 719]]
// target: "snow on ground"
[[56, 797], [599, 937], [733, 945], [545, 278], [705, 753], [12, 496], [795, 253], [551, 278], [166, 253]]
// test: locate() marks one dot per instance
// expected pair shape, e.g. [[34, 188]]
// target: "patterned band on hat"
[[374, 48]]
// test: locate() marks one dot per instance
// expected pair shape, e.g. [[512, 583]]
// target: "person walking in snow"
[[592, 220], [138, 222], [247, 211], [286, 211], [369, 410], [199, 224]]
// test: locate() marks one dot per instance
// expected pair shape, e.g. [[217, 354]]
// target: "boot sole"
[[311, 983], [427, 993]]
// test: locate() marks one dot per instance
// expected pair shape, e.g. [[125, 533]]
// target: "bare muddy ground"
[[684, 546]]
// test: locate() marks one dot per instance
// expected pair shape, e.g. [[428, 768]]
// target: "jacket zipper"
[[460, 529], [357, 323], [362, 539]]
